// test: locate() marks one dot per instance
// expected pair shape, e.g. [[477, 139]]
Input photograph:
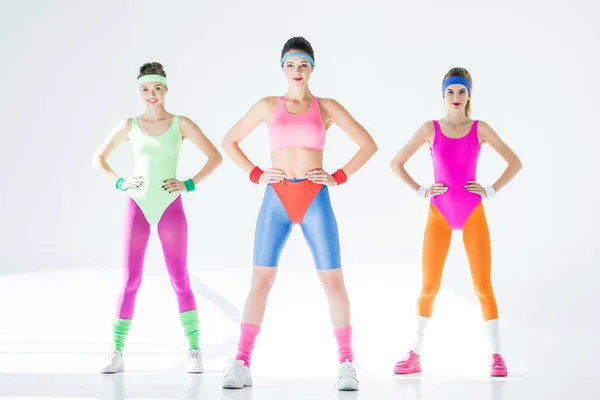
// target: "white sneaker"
[[194, 363], [115, 363], [346, 379], [238, 376]]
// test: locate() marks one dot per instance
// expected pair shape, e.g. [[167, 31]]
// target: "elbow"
[[517, 165], [226, 144], [369, 148], [229, 146], [217, 158], [96, 161], [397, 167], [374, 147]]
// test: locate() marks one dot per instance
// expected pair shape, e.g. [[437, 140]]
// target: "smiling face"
[[153, 93], [297, 69]]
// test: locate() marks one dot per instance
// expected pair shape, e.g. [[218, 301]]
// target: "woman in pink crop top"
[[296, 194], [455, 204]]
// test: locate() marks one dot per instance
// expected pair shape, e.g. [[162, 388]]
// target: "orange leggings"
[[476, 238]]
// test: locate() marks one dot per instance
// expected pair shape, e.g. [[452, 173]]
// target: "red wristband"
[[255, 174], [339, 176]]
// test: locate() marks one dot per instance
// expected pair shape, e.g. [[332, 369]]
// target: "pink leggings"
[[172, 231]]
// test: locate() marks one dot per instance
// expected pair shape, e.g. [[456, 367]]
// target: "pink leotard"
[[455, 163]]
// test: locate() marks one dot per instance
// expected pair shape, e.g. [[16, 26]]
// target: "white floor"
[[55, 332]]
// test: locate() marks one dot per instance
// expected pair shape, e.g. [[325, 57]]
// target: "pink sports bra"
[[304, 131]]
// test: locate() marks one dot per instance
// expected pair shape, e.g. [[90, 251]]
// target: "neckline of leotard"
[[155, 136], [439, 127]]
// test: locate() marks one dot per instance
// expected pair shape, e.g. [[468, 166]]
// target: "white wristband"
[[490, 191], [422, 192]]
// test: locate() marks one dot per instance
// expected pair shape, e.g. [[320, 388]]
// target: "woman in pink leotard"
[[455, 204]]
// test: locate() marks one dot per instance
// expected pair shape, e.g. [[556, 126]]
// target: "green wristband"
[[189, 185], [119, 183]]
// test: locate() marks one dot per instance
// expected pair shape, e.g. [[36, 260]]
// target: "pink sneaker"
[[409, 365], [498, 366]]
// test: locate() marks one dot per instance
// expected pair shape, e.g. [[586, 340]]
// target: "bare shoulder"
[[426, 130], [125, 123], [270, 100], [187, 126], [332, 111], [123, 127], [268, 104], [483, 125], [264, 106], [427, 126], [484, 129], [185, 121], [330, 104]]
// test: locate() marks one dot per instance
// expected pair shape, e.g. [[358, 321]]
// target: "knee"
[[430, 290], [332, 283], [484, 290], [181, 284], [132, 284], [262, 283]]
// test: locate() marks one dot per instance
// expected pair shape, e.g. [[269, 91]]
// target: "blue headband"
[[456, 80], [309, 58]]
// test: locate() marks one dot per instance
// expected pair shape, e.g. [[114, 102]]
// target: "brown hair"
[[300, 44], [152, 68], [463, 73]]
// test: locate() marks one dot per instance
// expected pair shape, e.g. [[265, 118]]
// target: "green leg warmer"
[[189, 321]]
